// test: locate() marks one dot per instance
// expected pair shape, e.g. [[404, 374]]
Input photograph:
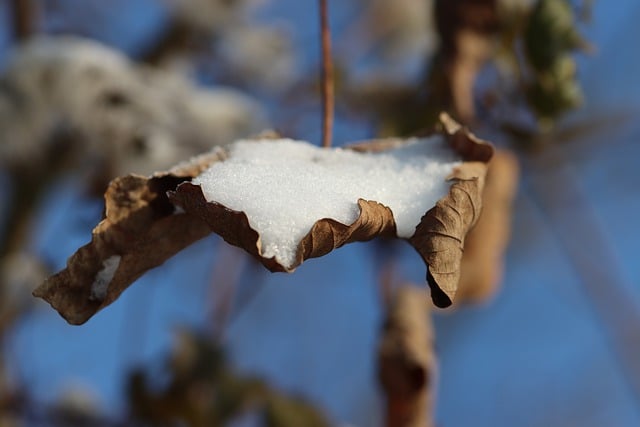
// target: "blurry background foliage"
[[90, 90]]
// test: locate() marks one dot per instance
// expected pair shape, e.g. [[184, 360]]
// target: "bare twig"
[[327, 76]]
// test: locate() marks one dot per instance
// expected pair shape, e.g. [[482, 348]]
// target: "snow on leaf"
[[150, 219], [325, 235], [438, 236], [284, 190]]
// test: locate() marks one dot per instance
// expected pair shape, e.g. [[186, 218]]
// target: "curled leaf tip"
[[440, 236]]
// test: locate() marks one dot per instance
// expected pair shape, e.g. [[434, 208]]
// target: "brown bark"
[[466, 29], [24, 19]]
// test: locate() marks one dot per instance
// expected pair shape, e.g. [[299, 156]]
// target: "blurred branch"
[[532, 83], [406, 361], [11, 404], [19, 409], [466, 29], [29, 185], [176, 38], [565, 206], [26, 193], [24, 18], [204, 391], [486, 243]]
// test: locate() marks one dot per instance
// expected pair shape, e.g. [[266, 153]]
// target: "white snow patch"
[[285, 186], [104, 277]]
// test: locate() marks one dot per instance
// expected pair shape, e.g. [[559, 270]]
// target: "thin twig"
[[327, 77]]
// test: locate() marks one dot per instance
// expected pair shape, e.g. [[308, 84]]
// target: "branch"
[[485, 246], [466, 29], [23, 19], [327, 77]]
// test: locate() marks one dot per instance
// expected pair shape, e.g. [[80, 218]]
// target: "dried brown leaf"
[[142, 229], [440, 236]]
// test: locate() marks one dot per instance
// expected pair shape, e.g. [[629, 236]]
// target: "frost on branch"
[[289, 206]]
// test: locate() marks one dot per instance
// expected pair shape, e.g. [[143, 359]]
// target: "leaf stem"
[[326, 77]]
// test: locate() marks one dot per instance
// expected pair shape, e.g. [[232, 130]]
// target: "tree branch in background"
[[203, 390], [24, 19], [406, 361], [327, 76], [485, 245], [563, 201], [177, 37], [466, 29]]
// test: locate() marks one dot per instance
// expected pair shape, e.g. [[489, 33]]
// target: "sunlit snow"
[[285, 186]]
